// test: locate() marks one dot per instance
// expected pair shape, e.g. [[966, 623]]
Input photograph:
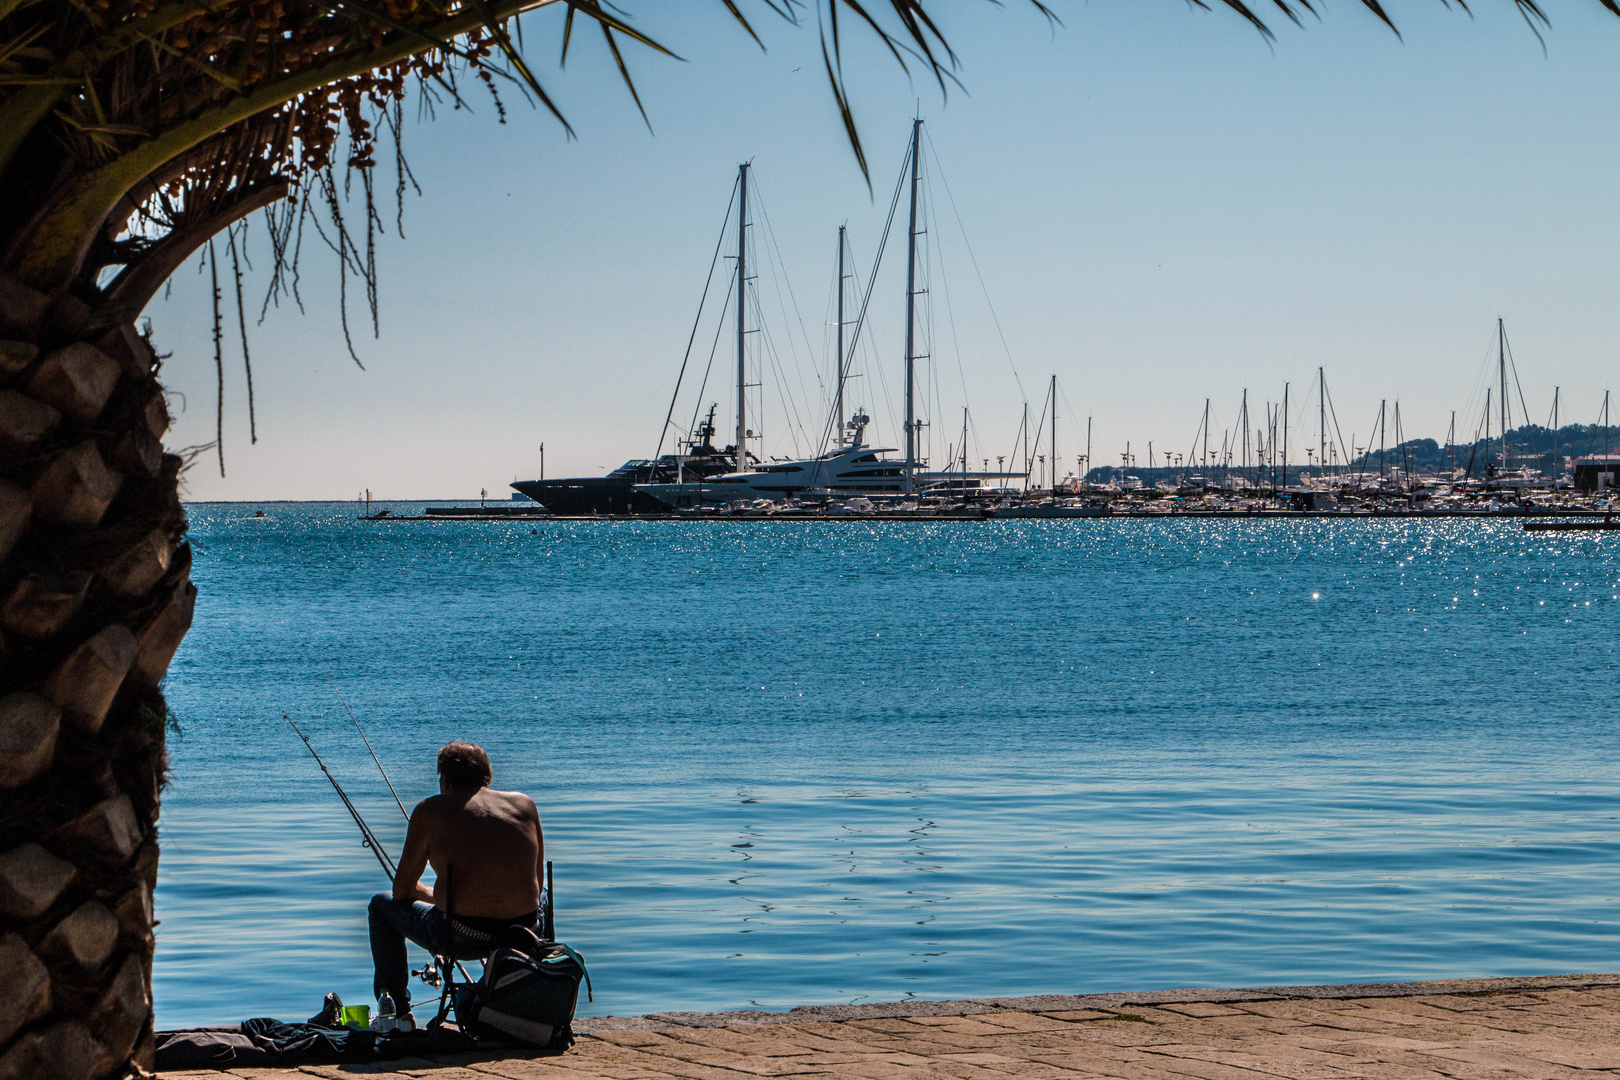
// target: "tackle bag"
[[527, 993]]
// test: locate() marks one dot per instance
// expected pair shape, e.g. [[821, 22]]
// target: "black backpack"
[[528, 991]]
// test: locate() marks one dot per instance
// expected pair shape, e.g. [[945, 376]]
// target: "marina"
[[1303, 503], [1053, 513], [1249, 467]]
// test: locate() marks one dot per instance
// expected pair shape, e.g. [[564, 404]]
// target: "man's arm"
[[413, 860]]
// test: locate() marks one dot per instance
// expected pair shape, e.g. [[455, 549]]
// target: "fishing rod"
[[373, 753], [368, 838]]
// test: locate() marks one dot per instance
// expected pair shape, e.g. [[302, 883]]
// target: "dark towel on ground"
[[263, 1041]]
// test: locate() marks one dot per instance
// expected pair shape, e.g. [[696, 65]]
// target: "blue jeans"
[[394, 922]]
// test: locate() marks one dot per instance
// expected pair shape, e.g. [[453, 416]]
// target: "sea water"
[[807, 762]]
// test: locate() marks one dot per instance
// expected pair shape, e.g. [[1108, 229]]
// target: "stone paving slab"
[[1563, 1027]]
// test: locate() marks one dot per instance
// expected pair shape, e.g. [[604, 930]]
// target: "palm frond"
[[624, 73], [742, 20], [598, 10], [515, 58], [835, 79]]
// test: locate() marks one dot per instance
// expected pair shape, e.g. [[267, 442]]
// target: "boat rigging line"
[[877, 261], [1605, 422], [696, 321], [1493, 380], [1345, 450], [974, 259], [714, 350], [781, 280], [1524, 410]]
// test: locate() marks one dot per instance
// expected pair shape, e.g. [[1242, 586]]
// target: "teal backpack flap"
[[529, 994]]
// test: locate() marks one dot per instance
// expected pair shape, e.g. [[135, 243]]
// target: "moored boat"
[[616, 492]]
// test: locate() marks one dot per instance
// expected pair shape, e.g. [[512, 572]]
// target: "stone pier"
[[1564, 1026]]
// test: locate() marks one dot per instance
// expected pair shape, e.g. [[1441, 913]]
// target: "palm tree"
[[132, 133]]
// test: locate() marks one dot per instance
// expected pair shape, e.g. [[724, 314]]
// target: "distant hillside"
[[1530, 445]]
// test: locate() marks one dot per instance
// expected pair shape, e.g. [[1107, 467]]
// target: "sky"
[[1148, 201]]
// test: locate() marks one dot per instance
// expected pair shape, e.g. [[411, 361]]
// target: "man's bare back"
[[489, 854], [493, 842]]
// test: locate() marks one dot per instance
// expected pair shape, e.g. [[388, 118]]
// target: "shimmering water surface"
[[791, 763]]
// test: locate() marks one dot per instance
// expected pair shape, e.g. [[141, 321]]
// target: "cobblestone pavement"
[[1486, 1029]]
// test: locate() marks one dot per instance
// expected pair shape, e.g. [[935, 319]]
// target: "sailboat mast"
[[1501, 363], [1271, 446], [1245, 433], [1054, 432], [964, 450], [742, 318], [1605, 423], [1203, 466], [1285, 437], [1381, 412], [911, 308], [1487, 424], [1404, 468], [1557, 461], [1321, 418], [1026, 446], [838, 412]]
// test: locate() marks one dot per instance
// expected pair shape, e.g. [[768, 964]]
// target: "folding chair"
[[441, 975]]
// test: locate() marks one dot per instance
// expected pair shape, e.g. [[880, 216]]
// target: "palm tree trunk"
[[95, 596]]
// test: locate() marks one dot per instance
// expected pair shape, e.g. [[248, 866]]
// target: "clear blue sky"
[[1163, 209]]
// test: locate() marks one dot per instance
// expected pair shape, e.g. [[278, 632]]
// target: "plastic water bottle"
[[385, 1013]]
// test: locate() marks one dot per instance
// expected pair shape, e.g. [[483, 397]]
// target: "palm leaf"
[[624, 73], [421, 35], [835, 79], [597, 10], [19, 45], [186, 58], [736, 13], [379, 15], [513, 57]]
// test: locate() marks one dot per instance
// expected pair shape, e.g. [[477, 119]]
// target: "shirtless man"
[[489, 857]]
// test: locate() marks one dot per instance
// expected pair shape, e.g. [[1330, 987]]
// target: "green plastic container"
[[357, 1016]]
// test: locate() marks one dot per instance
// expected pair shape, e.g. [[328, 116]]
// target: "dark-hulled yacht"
[[616, 492]]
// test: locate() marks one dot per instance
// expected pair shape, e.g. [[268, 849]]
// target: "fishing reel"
[[430, 975]]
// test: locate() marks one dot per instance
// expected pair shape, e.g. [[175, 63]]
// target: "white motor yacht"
[[854, 469]]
